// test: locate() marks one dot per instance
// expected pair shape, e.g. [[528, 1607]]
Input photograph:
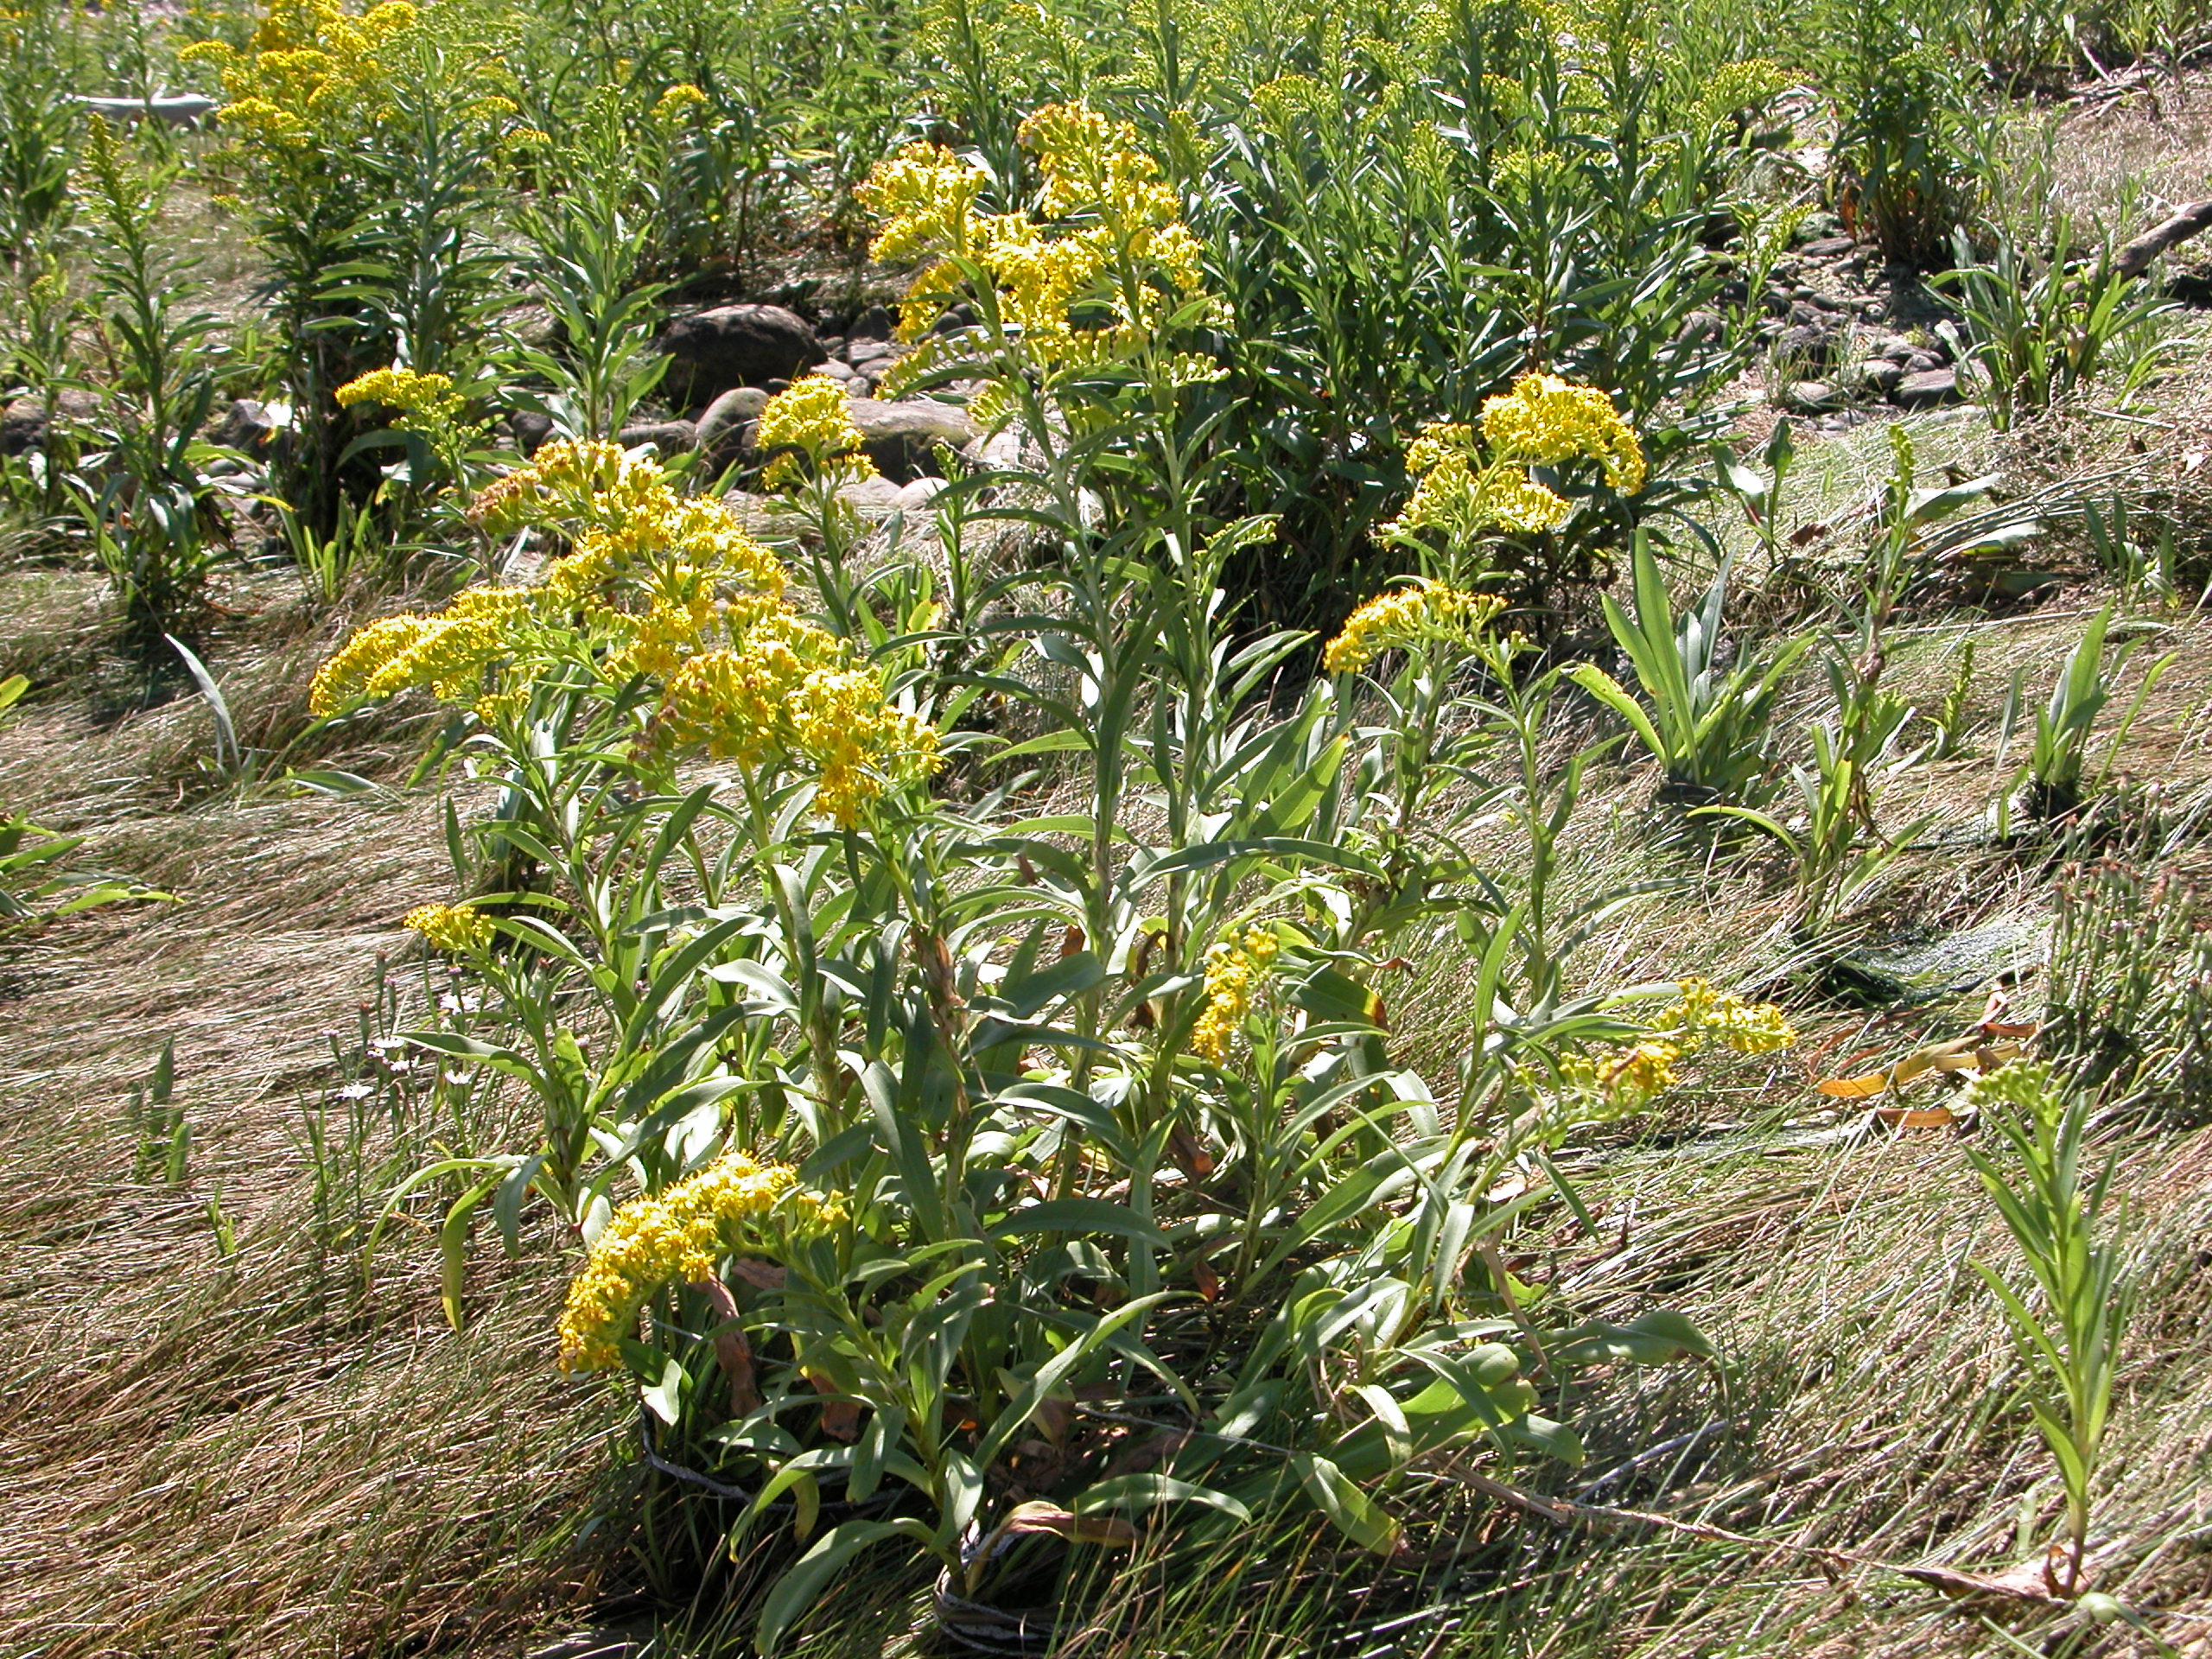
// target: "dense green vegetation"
[[964, 827]]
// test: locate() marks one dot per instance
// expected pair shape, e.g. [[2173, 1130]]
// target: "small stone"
[[722, 424], [874, 323], [1922, 362], [22, 430], [1805, 343], [1881, 374], [837, 371], [252, 424], [1701, 327], [1828, 247], [530, 428], [667, 438], [1925, 389], [902, 438], [1810, 397]]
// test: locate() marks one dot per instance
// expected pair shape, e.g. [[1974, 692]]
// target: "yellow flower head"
[[457, 930], [677, 99], [681, 1236], [1546, 420], [423, 402], [813, 418], [1234, 970], [1422, 613], [924, 195], [1702, 1015]]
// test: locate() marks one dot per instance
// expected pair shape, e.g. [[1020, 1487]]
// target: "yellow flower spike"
[[1234, 970], [681, 1236], [457, 930], [813, 418], [430, 399], [1423, 613]]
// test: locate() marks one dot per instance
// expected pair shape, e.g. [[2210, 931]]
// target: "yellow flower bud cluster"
[[1087, 285], [1625, 1081], [1702, 1015], [811, 419], [1544, 421], [661, 588], [457, 930], [1420, 613], [680, 1236], [430, 399], [1234, 970]]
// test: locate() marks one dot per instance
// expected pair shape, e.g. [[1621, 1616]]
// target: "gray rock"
[[21, 430], [1921, 362], [1810, 397], [1925, 389], [530, 428], [735, 346], [1881, 374], [1828, 247], [170, 109], [668, 438], [1701, 327], [917, 496], [874, 323], [837, 371], [861, 352], [723, 425], [1895, 347], [1817, 227], [902, 438], [1805, 343]]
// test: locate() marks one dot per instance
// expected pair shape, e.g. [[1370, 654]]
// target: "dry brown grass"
[[208, 1454]]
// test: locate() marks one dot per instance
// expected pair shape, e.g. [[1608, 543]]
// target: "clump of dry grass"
[[207, 1452]]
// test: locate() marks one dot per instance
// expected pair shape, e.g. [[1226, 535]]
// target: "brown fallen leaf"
[[1037, 1515], [1916, 1117], [761, 1275], [1968, 1053], [732, 1353], [841, 1419], [1207, 1281]]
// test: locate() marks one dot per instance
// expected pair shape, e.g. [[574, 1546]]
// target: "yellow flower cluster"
[[1702, 1015], [681, 1234], [457, 930], [448, 654], [656, 587], [311, 68], [677, 99], [813, 419], [1114, 246], [788, 690], [1546, 420], [1626, 1081], [1234, 969], [1428, 611], [429, 397]]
